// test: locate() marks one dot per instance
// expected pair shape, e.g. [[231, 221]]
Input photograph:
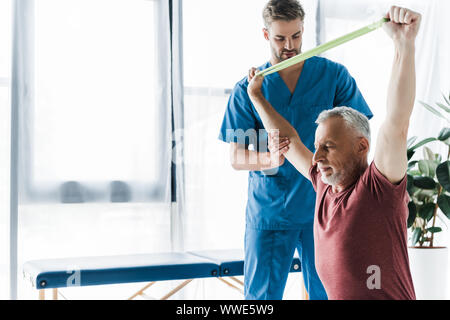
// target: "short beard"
[[345, 174], [334, 179], [278, 56]]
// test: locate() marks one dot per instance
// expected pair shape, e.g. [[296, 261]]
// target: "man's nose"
[[289, 44], [318, 156]]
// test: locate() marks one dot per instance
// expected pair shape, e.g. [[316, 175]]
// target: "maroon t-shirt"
[[360, 237]]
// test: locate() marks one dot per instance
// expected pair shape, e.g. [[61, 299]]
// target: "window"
[[94, 108], [94, 122]]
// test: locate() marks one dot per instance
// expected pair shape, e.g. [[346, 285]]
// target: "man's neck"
[[291, 75], [351, 179], [289, 70]]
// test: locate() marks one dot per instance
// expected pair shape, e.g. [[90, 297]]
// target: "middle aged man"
[[361, 210], [280, 207]]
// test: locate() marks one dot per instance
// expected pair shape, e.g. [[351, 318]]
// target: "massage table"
[[223, 265]]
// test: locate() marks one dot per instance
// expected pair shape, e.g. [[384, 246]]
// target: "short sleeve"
[[313, 174], [381, 187], [239, 122], [347, 93]]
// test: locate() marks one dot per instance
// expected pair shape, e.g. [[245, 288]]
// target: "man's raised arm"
[[390, 153], [297, 154]]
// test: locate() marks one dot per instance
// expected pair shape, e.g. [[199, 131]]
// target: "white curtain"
[[433, 69], [92, 91], [5, 130], [433, 81]]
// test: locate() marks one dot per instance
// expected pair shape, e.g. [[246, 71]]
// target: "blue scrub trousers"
[[268, 259]]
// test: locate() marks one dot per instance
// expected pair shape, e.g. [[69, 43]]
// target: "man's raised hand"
[[403, 25]]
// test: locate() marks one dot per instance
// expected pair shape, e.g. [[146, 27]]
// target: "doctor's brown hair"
[[285, 10]]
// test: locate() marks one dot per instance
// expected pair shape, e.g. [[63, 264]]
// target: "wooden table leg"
[[237, 280], [178, 288], [140, 292], [42, 294], [231, 285]]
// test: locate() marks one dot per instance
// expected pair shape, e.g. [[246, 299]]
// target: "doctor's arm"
[[297, 154], [390, 153]]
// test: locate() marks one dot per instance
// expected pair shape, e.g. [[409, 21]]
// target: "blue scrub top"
[[281, 198]]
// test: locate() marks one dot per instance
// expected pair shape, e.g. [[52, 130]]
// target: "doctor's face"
[[285, 38]]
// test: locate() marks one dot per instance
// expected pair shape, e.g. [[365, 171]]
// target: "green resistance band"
[[322, 48]]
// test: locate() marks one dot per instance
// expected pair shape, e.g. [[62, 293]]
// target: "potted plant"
[[429, 190]]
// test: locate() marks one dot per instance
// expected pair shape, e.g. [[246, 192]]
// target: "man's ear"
[[266, 33], [363, 146]]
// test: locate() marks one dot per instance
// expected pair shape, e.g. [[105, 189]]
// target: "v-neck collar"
[[298, 86]]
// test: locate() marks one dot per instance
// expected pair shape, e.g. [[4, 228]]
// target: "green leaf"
[[421, 143], [447, 100], [443, 175], [428, 154], [426, 211], [447, 142], [409, 184], [410, 153], [411, 164], [433, 110], [443, 202], [427, 167], [434, 229], [412, 213], [424, 182], [440, 105], [416, 236], [414, 172], [411, 141], [444, 134], [424, 195]]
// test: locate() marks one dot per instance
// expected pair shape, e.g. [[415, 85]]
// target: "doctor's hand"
[[404, 25], [278, 146], [255, 84]]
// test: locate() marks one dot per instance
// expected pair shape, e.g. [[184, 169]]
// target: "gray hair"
[[352, 118]]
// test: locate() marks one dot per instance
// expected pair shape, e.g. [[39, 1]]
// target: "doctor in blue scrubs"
[[280, 207]]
